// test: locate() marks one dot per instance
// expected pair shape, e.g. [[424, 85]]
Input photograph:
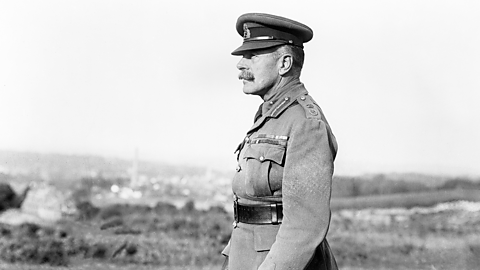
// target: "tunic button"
[[238, 168], [262, 158], [302, 98], [287, 98], [271, 102], [313, 112]]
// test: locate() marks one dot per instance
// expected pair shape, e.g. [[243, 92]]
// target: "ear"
[[285, 63]]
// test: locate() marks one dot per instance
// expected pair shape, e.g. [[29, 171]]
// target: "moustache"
[[246, 75]]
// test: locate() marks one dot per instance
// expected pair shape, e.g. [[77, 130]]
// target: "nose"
[[241, 65]]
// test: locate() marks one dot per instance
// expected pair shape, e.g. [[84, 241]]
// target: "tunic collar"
[[279, 101], [283, 96]]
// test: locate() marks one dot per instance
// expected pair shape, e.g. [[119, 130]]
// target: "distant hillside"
[[381, 184], [425, 179], [65, 168], [71, 167]]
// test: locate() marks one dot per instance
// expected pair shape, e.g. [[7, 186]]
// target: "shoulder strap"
[[312, 111]]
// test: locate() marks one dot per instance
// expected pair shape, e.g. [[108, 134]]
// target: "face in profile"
[[259, 71]]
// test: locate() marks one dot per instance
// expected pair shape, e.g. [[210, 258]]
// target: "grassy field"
[[362, 236], [122, 235], [443, 237], [99, 265], [405, 200]]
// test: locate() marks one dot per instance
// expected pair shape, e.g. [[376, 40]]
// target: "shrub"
[[162, 208], [189, 207], [27, 230], [126, 230], [131, 249], [86, 210], [97, 251], [164, 235], [111, 211], [114, 222], [30, 243]]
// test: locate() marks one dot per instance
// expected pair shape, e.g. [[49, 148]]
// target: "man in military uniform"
[[285, 163]]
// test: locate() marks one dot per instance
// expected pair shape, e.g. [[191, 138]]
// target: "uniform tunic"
[[287, 156]]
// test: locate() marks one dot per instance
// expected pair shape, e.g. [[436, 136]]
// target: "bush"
[[163, 235], [126, 230], [111, 211], [97, 251], [114, 222], [29, 243], [86, 210]]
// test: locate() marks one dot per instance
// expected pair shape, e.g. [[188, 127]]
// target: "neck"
[[279, 88]]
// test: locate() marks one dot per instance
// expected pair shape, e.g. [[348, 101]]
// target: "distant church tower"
[[134, 175]]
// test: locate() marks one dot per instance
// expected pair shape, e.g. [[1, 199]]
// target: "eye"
[[248, 55]]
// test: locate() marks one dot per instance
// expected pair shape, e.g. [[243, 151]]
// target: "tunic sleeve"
[[306, 190]]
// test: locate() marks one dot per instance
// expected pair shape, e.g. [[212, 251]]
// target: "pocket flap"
[[264, 236], [265, 152]]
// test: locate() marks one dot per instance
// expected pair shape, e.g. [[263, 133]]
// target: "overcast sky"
[[399, 81]]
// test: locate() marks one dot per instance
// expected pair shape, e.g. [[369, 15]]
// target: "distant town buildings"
[[115, 179]]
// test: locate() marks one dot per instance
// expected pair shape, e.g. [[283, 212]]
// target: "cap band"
[[255, 31], [258, 38], [266, 38]]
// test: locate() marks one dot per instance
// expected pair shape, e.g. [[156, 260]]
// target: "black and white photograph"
[[252, 135]]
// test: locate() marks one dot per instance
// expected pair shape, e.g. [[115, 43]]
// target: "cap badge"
[[246, 31]]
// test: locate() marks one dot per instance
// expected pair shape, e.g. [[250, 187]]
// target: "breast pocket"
[[264, 168]]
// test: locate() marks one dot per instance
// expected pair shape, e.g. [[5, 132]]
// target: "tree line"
[[381, 184]]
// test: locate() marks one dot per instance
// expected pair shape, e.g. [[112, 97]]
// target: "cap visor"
[[256, 45]]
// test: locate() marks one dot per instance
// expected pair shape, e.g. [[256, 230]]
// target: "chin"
[[249, 90], [254, 92]]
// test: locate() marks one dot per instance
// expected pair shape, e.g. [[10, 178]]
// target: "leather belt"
[[257, 213]]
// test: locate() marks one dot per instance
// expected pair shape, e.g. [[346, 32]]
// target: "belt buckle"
[[274, 213]]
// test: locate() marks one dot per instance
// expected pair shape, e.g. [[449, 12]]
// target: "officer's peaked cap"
[[262, 31]]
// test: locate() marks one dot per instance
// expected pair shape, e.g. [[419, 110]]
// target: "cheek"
[[268, 76]]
